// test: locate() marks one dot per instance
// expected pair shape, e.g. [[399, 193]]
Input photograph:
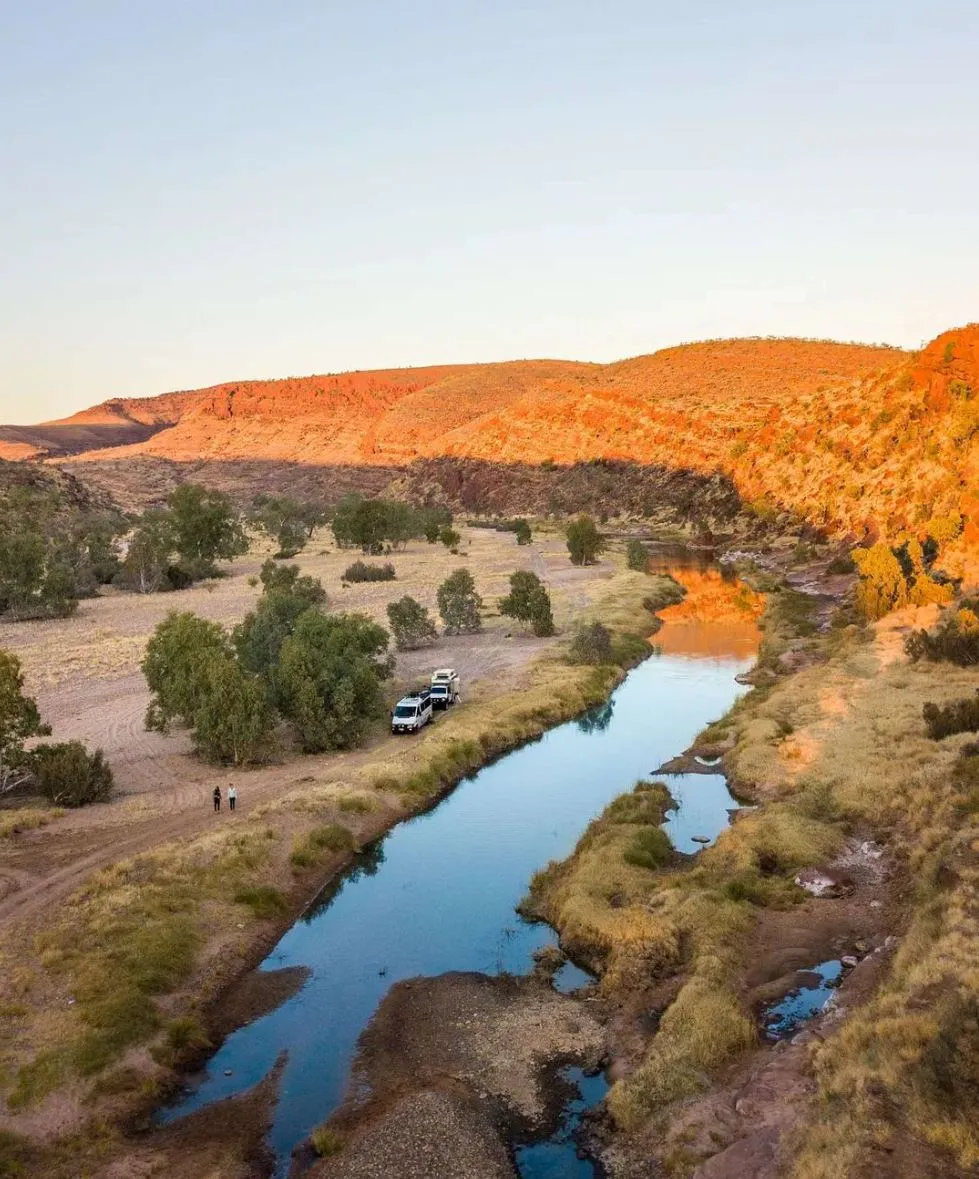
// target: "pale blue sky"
[[202, 190]]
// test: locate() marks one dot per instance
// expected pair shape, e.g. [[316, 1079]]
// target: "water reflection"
[[597, 720], [445, 899]]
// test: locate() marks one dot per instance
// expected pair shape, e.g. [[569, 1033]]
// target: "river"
[[438, 893]]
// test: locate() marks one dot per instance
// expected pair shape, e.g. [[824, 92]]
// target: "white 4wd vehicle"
[[411, 713], [445, 688]]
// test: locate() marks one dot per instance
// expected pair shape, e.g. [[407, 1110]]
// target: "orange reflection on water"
[[717, 618]]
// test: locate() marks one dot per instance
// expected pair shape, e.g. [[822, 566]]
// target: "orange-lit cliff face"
[[857, 438]]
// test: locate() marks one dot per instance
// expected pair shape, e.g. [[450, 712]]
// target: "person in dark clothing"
[[217, 798]]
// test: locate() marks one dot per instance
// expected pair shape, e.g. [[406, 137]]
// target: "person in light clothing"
[[232, 796]]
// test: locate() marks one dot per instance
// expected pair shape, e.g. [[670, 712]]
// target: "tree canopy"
[[459, 603], [206, 528], [529, 601], [411, 624], [328, 681], [585, 542]]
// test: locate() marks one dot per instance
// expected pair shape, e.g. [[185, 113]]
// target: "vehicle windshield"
[[405, 711], [440, 690]]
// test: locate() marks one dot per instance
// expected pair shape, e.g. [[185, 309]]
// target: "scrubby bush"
[[521, 529], [264, 900], [650, 847], [584, 541], [592, 643], [362, 571], [841, 563], [68, 775], [893, 578], [528, 601], [961, 716], [956, 640], [636, 556], [411, 624], [460, 604], [450, 538]]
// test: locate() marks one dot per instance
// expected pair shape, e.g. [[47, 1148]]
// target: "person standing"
[[217, 798], [232, 795]]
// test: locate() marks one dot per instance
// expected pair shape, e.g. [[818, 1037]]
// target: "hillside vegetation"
[[863, 440]]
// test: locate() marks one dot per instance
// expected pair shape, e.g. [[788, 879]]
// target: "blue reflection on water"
[[438, 892]]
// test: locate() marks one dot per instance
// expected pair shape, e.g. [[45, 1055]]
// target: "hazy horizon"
[[202, 193]]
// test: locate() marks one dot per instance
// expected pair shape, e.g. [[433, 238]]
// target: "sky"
[[205, 190]]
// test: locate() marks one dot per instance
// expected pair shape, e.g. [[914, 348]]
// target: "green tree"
[[282, 519], [233, 721], [528, 601], [206, 528], [449, 537], [23, 556], [151, 551], [328, 682], [258, 638], [176, 667], [521, 530], [401, 524], [68, 775], [363, 523], [411, 624], [19, 721], [636, 556], [459, 604], [584, 541]]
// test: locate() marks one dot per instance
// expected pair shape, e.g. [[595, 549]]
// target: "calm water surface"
[[438, 892]]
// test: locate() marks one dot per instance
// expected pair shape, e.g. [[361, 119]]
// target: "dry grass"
[[13, 822], [908, 1061], [128, 946]]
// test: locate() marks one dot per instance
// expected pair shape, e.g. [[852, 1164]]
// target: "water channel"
[[438, 893]]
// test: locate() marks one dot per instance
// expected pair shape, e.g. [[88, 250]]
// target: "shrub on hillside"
[[362, 571], [529, 601], [68, 775], [592, 643], [893, 578], [956, 640], [449, 537], [961, 716], [411, 624]]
